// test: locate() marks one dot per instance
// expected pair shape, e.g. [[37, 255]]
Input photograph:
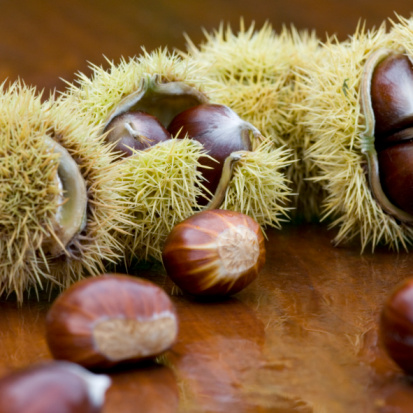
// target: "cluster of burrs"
[[278, 126]]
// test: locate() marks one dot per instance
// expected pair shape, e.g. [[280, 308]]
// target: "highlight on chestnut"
[[214, 253]]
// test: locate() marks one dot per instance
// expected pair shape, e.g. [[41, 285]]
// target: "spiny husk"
[[100, 243], [163, 182], [261, 172], [337, 123], [30, 195], [98, 95], [255, 73]]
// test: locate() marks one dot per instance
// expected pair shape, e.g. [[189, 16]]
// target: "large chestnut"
[[112, 319], [56, 387], [396, 325], [135, 130], [214, 252], [392, 104], [220, 130]]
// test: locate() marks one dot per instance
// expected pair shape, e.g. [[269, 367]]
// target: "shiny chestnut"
[[57, 387], [214, 252], [220, 130], [112, 319], [396, 325], [392, 104], [135, 130]]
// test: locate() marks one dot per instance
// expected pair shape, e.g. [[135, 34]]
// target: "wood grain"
[[303, 337]]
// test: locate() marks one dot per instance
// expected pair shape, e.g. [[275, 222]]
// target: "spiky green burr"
[[341, 121], [164, 182], [256, 72], [59, 201]]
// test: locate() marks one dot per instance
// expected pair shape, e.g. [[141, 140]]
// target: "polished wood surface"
[[303, 337]]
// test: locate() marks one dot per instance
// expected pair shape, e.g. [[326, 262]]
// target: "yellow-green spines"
[[107, 219], [28, 188], [255, 72], [164, 182], [261, 173], [337, 124], [32, 195], [163, 185], [98, 95]]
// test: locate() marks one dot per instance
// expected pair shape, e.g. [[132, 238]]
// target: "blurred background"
[[43, 41]]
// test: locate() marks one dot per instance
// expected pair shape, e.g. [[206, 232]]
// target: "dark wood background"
[[42, 41], [303, 338]]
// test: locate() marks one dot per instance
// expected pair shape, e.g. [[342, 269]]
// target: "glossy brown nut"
[[219, 129], [58, 387], [392, 98], [135, 131], [214, 252], [396, 174], [392, 103], [396, 325], [113, 319]]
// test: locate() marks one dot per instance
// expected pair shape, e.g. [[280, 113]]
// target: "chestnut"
[[220, 130], [392, 104], [55, 387], [109, 320], [135, 130], [396, 325], [214, 252]]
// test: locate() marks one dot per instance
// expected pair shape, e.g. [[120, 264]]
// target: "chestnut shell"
[[45, 388], [214, 253], [396, 325], [221, 132], [148, 129], [75, 316], [392, 103]]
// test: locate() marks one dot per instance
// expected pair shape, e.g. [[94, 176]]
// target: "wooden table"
[[303, 337]]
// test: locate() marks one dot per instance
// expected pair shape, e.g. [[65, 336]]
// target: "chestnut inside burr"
[[392, 103], [136, 130], [126, 339]]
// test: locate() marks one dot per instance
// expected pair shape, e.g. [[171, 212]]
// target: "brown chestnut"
[[396, 325], [56, 387], [220, 130], [214, 252], [112, 319], [392, 104], [136, 130]]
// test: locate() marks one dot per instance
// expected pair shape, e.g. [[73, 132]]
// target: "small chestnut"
[[214, 252], [396, 325], [220, 130], [392, 103], [55, 387], [112, 319], [135, 130]]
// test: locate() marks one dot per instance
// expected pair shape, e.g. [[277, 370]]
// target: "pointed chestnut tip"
[[214, 253], [53, 387]]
